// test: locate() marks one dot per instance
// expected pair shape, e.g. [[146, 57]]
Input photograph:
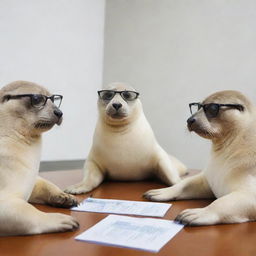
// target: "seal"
[[228, 119], [124, 146], [26, 111]]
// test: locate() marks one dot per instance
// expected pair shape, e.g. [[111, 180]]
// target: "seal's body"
[[27, 110], [26, 154], [124, 146], [228, 119]]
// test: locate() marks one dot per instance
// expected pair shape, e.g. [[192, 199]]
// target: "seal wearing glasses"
[[26, 111], [124, 146], [228, 119]]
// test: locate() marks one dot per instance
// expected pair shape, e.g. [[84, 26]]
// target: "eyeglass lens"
[[211, 110], [56, 99], [194, 108]]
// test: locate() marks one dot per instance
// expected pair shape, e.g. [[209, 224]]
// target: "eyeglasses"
[[37, 100], [126, 95], [212, 109]]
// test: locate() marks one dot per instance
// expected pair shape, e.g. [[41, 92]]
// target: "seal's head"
[[118, 103], [29, 108], [219, 115]]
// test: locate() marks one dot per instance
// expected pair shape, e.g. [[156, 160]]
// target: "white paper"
[[123, 207], [139, 233]]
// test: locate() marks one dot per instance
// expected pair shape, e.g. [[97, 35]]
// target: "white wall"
[[59, 44], [176, 52]]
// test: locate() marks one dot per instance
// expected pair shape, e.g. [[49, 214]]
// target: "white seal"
[[27, 110], [228, 119], [124, 146]]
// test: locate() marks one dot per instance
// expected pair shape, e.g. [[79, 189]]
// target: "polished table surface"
[[226, 240]]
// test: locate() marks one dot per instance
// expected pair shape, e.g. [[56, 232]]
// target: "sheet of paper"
[[123, 207], [139, 233]]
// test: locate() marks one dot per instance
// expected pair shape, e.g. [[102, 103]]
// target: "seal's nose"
[[116, 106], [190, 121], [58, 113]]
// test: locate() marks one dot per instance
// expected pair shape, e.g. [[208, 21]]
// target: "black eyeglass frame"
[[206, 106], [18, 96], [120, 92]]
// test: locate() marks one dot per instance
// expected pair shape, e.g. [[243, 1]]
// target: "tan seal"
[[27, 110], [124, 146], [228, 119]]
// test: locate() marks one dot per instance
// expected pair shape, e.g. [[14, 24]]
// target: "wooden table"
[[220, 240]]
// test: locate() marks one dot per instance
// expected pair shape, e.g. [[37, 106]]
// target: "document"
[[131, 232], [122, 207]]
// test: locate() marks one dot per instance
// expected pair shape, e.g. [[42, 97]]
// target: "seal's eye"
[[129, 95], [211, 110], [38, 100], [107, 95]]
